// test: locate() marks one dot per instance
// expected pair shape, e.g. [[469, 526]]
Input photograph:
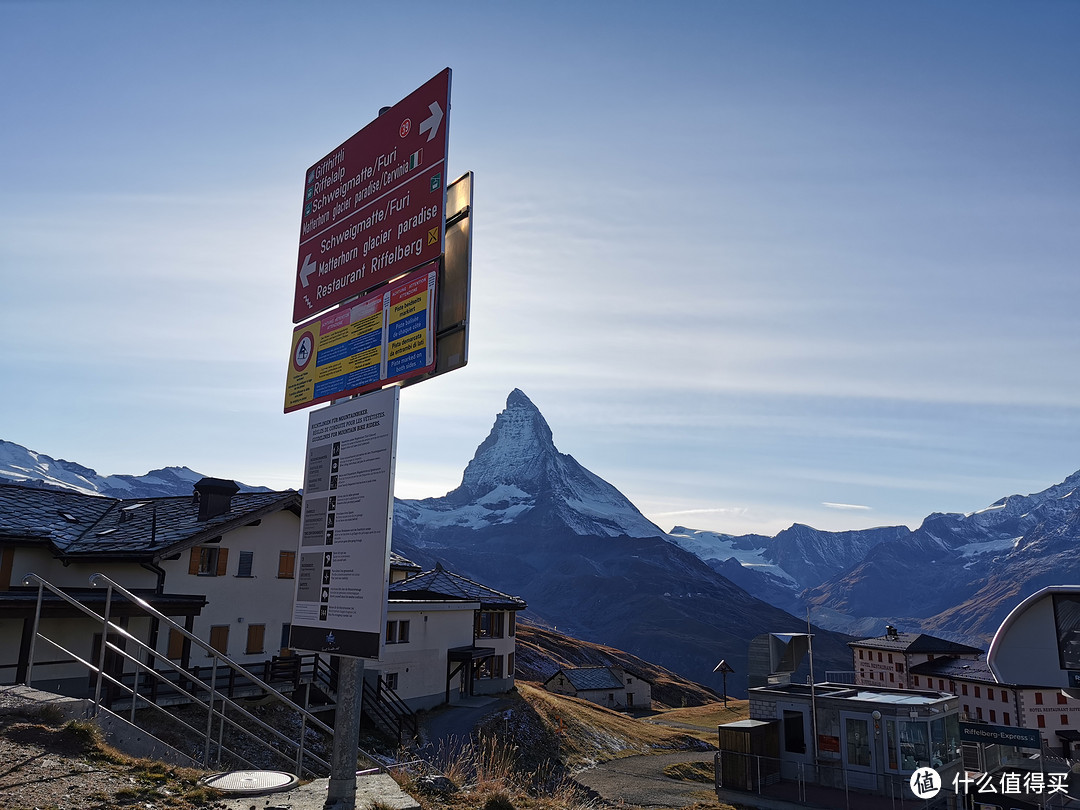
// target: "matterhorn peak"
[[516, 470], [514, 451]]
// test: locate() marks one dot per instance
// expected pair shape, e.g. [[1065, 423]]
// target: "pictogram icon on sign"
[[433, 236], [406, 125], [304, 350]]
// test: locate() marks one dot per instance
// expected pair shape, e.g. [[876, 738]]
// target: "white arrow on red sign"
[[432, 123]]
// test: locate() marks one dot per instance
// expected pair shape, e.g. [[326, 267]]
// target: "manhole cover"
[[250, 782]]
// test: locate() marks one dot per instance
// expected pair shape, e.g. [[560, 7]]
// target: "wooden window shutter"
[[193, 563], [176, 644], [222, 561], [286, 564], [255, 635], [219, 638]]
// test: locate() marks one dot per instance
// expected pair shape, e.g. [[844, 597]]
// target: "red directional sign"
[[375, 207]]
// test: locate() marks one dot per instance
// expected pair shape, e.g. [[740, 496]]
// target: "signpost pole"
[[375, 209], [341, 794]]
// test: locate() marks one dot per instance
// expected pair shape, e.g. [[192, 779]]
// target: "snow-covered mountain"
[[960, 574], [18, 465], [531, 521], [957, 575], [517, 475]]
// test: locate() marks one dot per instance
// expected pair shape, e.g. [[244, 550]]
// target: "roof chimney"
[[215, 497], [890, 631]]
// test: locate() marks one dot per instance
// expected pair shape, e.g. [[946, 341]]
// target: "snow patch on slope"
[[715, 546]]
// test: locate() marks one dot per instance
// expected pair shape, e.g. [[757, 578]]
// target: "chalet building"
[[447, 637], [221, 563], [886, 661], [612, 687]]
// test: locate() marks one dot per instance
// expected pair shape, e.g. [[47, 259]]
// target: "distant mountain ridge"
[[957, 575], [530, 520], [18, 465]]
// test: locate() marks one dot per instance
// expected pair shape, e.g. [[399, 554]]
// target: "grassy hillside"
[[541, 652]]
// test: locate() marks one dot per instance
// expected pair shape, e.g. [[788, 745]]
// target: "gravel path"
[[640, 780]]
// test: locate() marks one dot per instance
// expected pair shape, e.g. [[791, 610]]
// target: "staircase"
[[384, 709], [145, 678], [381, 706]]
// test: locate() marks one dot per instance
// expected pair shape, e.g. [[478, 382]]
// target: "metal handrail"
[[214, 694]]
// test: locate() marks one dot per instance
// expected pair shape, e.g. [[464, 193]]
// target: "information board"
[[343, 560], [383, 337]]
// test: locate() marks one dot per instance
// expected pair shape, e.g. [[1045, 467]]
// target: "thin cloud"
[[848, 507], [736, 511]]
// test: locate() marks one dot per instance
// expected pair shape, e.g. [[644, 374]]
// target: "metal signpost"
[[386, 237]]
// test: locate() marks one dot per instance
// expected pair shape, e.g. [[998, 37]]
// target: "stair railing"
[[214, 697]]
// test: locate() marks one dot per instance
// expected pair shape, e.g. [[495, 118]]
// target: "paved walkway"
[[640, 780], [456, 722]]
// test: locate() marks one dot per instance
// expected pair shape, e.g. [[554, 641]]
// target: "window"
[[1038, 698], [993, 716], [390, 679], [1007, 719], [963, 689], [511, 621], [892, 677], [219, 638], [860, 655], [916, 679], [899, 667], [176, 644], [978, 692], [1064, 719], [397, 632], [509, 665], [256, 634], [1062, 700], [497, 667], [243, 568], [489, 624], [286, 631], [1004, 696], [989, 694], [978, 712], [941, 685], [879, 657], [208, 561], [1041, 720], [857, 734], [286, 564]]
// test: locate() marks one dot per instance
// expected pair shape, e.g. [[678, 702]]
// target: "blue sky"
[[757, 263]]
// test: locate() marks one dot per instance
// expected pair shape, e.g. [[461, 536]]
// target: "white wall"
[[420, 663]]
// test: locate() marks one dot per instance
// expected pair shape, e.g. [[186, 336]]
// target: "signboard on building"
[[344, 555], [383, 337], [1000, 735], [375, 207]]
